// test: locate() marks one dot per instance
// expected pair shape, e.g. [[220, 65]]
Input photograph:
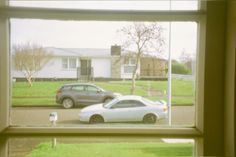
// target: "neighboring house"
[[123, 64], [76, 63]]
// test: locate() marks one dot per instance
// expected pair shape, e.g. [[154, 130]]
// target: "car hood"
[[96, 107]]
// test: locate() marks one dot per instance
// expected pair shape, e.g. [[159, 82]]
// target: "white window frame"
[[68, 60], [128, 66], [7, 12]]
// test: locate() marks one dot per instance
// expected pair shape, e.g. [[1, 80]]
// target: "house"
[[87, 63]]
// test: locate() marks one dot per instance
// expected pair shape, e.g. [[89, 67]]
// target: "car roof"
[[84, 84], [130, 97]]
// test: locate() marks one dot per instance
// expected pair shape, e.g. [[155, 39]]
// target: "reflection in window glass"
[[101, 53], [100, 146], [112, 5]]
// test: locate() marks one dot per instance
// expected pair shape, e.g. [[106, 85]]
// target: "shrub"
[[178, 68]]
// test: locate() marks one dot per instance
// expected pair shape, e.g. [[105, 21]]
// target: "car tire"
[[150, 118], [107, 100], [95, 119], [67, 103]]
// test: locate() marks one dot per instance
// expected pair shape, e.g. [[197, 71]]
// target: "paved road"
[[39, 116]]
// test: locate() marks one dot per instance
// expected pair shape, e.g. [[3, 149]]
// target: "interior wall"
[[214, 79], [229, 132]]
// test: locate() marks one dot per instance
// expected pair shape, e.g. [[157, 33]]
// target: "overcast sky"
[[95, 34]]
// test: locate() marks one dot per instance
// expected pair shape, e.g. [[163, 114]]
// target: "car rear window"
[[66, 88]]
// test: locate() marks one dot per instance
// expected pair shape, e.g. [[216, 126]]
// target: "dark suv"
[[71, 95]]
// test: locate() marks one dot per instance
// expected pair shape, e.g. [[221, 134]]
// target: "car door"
[[79, 94], [93, 95], [124, 111]]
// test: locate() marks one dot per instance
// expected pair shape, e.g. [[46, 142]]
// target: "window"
[[132, 61], [92, 89], [69, 63], [114, 20], [136, 104], [78, 88], [72, 63], [101, 146], [122, 104], [112, 5], [64, 63], [128, 69]]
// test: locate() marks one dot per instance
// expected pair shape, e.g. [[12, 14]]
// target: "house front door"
[[85, 67]]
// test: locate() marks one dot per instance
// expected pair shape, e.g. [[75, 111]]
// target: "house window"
[[132, 61], [72, 63], [69, 63], [64, 63], [129, 69]]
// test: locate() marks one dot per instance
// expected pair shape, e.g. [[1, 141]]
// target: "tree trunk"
[[29, 79], [135, 75], [133, 82]]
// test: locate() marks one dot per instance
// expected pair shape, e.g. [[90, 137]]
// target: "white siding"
[[101, 67], [53, 69]]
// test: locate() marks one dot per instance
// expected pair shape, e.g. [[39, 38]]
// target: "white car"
[[125, 109]]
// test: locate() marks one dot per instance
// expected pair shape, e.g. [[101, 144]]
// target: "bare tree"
[[29, 59], [142, 38]]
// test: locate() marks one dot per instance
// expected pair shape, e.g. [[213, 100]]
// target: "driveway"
[[39, 116]]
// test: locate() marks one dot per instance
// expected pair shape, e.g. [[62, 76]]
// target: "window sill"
[[162, 131]]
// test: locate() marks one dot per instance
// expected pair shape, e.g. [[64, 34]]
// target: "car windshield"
[[106, 104], [147, 101]]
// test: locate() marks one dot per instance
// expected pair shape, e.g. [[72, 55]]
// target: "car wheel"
[[149, 118], [67, 103], [107, 100], [96, 119]]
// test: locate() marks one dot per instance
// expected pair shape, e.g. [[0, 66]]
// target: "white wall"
[[53, 69], [101, 67]]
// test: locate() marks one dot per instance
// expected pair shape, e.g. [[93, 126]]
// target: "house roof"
[[79, 52], [92, 52]]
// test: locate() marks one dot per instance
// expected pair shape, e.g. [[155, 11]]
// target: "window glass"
[[72, 63], [112, 4], [92, 89], [100, 146], [65, 63], [136, 103], [102, 50], [122, 104], [66, 87], [132, 61], [78, 88], [129, 69]]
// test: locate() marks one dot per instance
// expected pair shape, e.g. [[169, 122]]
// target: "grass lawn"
[[43, 93], [112, 150]]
